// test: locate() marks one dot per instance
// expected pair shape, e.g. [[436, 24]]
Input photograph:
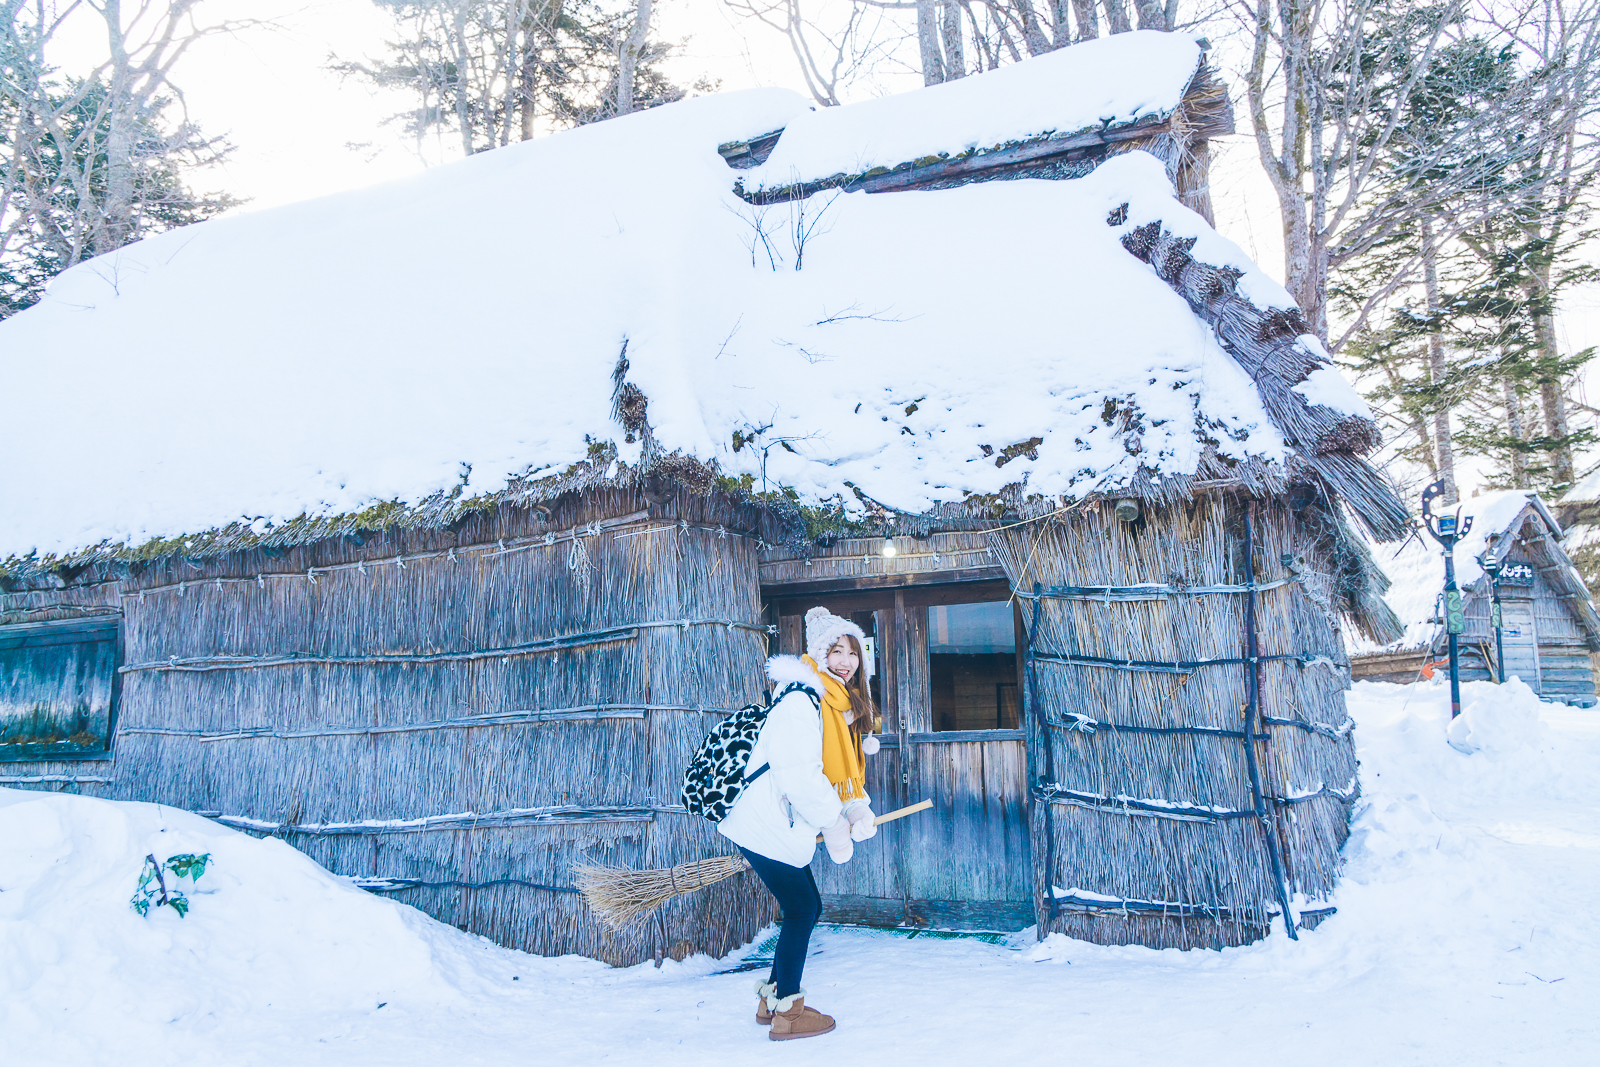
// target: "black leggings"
[[797, 895]]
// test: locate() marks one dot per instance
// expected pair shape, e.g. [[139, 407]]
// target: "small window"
[[972, 666], [57, 688]]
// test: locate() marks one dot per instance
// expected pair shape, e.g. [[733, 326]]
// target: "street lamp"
[[1447, 529], [1491, 566]]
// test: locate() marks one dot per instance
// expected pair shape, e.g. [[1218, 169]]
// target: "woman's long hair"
[[860, 693]]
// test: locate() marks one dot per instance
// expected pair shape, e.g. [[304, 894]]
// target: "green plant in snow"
[[153, 881]]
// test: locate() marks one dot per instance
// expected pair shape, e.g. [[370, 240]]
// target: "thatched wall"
[[397, 707], [1147, 823]]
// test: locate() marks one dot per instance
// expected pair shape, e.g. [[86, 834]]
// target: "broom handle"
[[898, 814]]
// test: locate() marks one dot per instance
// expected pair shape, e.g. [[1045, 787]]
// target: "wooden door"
[[964, 865], [1520, 640], [968, 866]]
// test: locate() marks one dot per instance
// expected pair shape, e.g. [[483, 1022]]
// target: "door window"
[[972, 666]]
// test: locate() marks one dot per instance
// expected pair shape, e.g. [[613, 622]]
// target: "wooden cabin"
[[1549, 626], [447, 600]]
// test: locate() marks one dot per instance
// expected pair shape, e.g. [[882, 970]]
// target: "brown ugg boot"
[[791, 1019], [765, 991]]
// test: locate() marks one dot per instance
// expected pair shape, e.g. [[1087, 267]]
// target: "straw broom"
[[621, 897]]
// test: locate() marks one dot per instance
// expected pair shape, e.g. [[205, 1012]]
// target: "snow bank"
[[1112, 80], [1416, 567], [269, 934], [1465, 933], [461, 327]]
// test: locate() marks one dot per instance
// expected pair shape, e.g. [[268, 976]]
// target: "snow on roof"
[[1416, 565], [462, 327], [1586, 488], [1109, 81]]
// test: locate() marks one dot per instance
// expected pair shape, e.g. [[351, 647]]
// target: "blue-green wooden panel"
[[58, 686]]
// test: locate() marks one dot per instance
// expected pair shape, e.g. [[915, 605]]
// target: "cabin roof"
[[603, 300], [1123, 89], [1416, 566]]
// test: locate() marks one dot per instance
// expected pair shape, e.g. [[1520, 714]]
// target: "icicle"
[[361, 567], [261, 581], [180, 588]]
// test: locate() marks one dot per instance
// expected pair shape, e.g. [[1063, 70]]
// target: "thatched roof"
[[602, 306], [1415, 567]]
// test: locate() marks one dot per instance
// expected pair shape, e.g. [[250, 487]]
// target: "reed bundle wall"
[[1151, 834], [518, 763]]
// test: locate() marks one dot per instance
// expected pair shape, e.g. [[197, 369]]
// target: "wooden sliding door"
[[947, 667]]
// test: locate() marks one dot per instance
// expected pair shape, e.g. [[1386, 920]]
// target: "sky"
[[302, 131]]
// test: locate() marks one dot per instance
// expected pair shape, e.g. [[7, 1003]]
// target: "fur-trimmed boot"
[[765, 992], [791, 1019]]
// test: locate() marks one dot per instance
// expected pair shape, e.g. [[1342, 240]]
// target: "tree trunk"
[[1153, 15], [928, 42], [1087, 18], [1060, 23], [1032, 31], [115, 226], [1519, 459], [955, 60], [1437, 371], [462, 104], [1117, 16], [632, 48], [1551, 398]]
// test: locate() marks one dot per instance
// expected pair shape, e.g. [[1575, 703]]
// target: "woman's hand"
[[837, 840], [862, 824]]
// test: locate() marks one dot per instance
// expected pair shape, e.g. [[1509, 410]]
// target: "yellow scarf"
[[842, 761]]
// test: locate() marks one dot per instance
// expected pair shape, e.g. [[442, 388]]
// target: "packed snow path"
[[1466, 933]]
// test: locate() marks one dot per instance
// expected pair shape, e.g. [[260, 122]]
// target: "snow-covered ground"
[[1466, 934]]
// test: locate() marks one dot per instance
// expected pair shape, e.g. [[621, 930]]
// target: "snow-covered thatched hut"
[[431, 526], [1549, 625]]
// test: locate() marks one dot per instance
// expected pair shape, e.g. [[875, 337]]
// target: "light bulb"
[[888, 548]]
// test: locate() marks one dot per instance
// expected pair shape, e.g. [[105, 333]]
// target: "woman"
[[806, 775]]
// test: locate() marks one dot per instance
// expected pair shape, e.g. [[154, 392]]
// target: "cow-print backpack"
[[716, 777]]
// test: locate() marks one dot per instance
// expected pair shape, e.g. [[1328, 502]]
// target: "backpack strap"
[[800, 687], [790, 688]]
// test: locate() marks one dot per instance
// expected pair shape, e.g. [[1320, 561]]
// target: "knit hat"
[[823, 628]]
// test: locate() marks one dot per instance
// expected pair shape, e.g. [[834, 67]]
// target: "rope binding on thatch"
[[501, 547], [586, 713], [1163, 809], [1147, 591], [531, 648]]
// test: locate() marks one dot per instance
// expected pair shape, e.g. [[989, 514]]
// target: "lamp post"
[[1447, 529], [1491, 566]]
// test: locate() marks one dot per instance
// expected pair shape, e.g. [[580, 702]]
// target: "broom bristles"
[[622, 898]]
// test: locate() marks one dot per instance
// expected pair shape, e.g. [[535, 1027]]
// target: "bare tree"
[[839, 42], [489, 72], [91, 161]]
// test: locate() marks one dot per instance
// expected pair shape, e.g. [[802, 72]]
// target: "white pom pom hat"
[[823, 628]]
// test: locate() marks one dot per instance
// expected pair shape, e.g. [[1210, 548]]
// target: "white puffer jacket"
[[780, 814]]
